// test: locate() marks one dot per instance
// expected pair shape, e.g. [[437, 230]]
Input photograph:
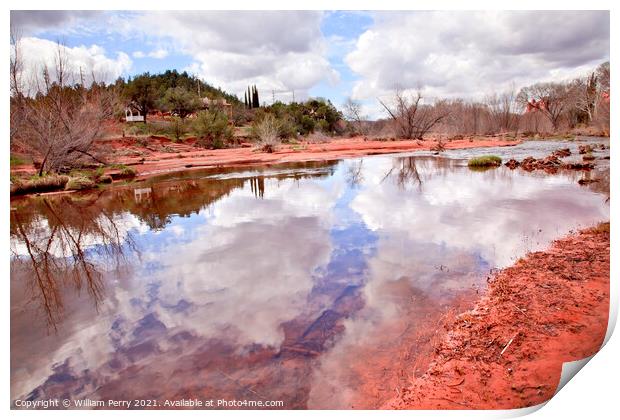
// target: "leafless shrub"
[[413, 119], [317, 137], [268, 133], [61, 120], [503, 111]]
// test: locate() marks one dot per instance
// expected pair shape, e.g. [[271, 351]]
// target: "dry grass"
[[268, 132], [602, 227], [80, 183], [39, 184]]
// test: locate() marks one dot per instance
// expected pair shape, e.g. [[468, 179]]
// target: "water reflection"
[[65, 242], [313, 284]]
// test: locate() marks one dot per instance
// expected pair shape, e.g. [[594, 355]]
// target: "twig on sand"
[[509, 343], [452, 401], [519, 309], [458, 383], [248, 388]]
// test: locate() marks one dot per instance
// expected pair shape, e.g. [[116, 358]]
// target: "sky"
[[330, 54]]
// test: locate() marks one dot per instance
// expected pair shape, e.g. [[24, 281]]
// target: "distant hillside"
[[172, 78]]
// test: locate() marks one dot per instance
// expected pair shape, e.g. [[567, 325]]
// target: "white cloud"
[[38, 53], [283, 51], [159, 54], [467, 209], [473, 53]]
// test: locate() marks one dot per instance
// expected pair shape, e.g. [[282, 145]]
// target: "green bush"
[[136, 129], [17, 160], [484, 161], [212, 129], [177, 128], [307, 125]]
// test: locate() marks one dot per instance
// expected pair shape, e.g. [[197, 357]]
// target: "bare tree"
[[553, 100], [353, 113], [355, 174], [602, 77], [17, 95], [602, 105], [503, 111], [61, 121], [413, 119], [585, 95]]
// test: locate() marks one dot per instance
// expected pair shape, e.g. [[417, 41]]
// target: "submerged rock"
[[549, 164], [578, 166], [513, 164], [562, 152], [585, 181]]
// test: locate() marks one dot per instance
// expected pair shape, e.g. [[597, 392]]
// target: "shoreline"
[[163, 163], [507, 352], [185, 157]]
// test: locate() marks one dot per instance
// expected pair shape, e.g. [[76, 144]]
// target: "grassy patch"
[[484, 161], [18, 160], [128, 172], [39, 184], [601, 228]]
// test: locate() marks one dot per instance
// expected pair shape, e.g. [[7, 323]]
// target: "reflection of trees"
[[61, 246], [188, 193], [415, 170], [257, 185], [355, 176], [404, 171], [64, 240]]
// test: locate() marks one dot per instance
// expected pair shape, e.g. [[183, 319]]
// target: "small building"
[[130, 117], [218, 103]]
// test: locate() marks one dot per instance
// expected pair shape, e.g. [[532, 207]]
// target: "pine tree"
[[255, 102], [245, 99], [249, 99]]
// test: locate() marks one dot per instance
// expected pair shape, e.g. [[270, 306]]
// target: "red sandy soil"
[[161, 155], [550, 307]]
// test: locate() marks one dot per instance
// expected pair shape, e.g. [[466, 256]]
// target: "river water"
[[318, 284]]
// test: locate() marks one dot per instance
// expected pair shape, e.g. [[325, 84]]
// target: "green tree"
[[180, 102], [255, 101], [141, 94]]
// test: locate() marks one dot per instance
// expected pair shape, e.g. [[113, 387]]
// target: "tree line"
[[60, 113], [541, 108]]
